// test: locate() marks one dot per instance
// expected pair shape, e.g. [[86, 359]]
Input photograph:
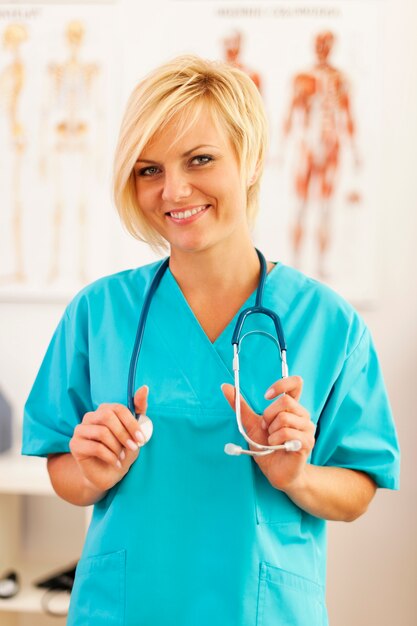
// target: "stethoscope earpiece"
[[232, 449], [294, 445], [237, 338]]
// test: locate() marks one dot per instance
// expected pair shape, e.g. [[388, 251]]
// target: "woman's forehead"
[[191, 127]]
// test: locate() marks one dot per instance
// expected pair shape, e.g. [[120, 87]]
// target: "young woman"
[[183, 533]]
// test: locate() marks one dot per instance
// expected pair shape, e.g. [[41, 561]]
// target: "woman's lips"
[[174, 216]]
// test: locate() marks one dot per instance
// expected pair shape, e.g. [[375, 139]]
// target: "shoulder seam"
[[361, 338]]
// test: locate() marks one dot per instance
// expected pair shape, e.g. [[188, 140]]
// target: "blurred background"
[[339, 81]]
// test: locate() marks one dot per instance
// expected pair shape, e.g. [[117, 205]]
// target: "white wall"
[[372, 562]]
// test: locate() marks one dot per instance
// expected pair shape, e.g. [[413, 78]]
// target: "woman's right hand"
[[108, 440]]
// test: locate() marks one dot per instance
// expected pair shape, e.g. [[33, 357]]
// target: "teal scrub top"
[[191, 536]]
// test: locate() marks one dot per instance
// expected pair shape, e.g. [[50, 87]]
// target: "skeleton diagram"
[[320, 115], [232, 48], [70, 122], [12, 80]]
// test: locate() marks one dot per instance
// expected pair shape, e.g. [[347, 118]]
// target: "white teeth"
[[184, 214]]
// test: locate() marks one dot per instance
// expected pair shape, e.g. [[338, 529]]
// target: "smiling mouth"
[[188, 213]]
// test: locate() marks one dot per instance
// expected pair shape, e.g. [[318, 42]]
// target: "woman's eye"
[[201, 159], [151, 170]]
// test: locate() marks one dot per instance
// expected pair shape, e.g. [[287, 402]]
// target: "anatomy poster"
[[67, 70], [58, 94], [317, 68]]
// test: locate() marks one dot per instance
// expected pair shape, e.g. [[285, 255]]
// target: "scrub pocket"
[[98, 595], [289, 600], [273, 506]]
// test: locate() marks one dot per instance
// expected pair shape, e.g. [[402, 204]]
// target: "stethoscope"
[[230, 448]]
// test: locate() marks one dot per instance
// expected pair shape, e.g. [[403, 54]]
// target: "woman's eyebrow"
[[187, 153], [203, 145]]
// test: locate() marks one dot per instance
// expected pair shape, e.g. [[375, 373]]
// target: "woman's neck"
[[214, 270]]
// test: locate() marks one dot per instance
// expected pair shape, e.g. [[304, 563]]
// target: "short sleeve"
[[356, 428], [61, 394]]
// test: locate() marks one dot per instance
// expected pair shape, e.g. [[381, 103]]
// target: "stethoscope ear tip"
[[294, 445], [232, 449]]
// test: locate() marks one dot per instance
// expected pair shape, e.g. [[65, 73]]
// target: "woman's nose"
[[176, 187]]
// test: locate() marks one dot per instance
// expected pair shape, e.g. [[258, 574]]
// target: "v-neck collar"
[[249, 302], [195, 367]]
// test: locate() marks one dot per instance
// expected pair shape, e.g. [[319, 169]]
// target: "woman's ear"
[[254, 177]]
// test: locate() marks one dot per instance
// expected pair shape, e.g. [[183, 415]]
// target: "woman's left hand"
[[283, 420]]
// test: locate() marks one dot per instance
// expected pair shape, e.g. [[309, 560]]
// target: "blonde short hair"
[[180, 88]]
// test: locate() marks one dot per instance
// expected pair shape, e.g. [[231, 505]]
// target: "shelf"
[[38, 294], [31, 536], [24, 475], [29, 598]]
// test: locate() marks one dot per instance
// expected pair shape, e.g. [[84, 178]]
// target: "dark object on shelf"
[[5, 424], [62, 580], [9, 585]]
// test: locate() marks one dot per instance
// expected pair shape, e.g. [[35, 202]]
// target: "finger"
[[140, 400], [289, 434], [229, 393], [141, 406], [120, 422], [251, 421], [284, 403], [293, 385], [100, 434], [86, 449], [288, 420], [131, 425]]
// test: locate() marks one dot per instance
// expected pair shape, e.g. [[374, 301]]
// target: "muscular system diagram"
[[320, 119], [232, 53]]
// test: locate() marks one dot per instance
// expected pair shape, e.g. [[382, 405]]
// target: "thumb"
[[140, 400], [251, 421], [141, 406]]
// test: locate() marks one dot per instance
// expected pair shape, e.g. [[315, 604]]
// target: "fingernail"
[[132, 445], [264, 425], [122, 455], [270, 393], [139, 437], [119, 465]]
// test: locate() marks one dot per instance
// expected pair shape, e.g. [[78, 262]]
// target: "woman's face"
[[190, 189]]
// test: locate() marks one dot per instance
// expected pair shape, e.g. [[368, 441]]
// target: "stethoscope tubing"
[[140, 332], [236, 339]]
